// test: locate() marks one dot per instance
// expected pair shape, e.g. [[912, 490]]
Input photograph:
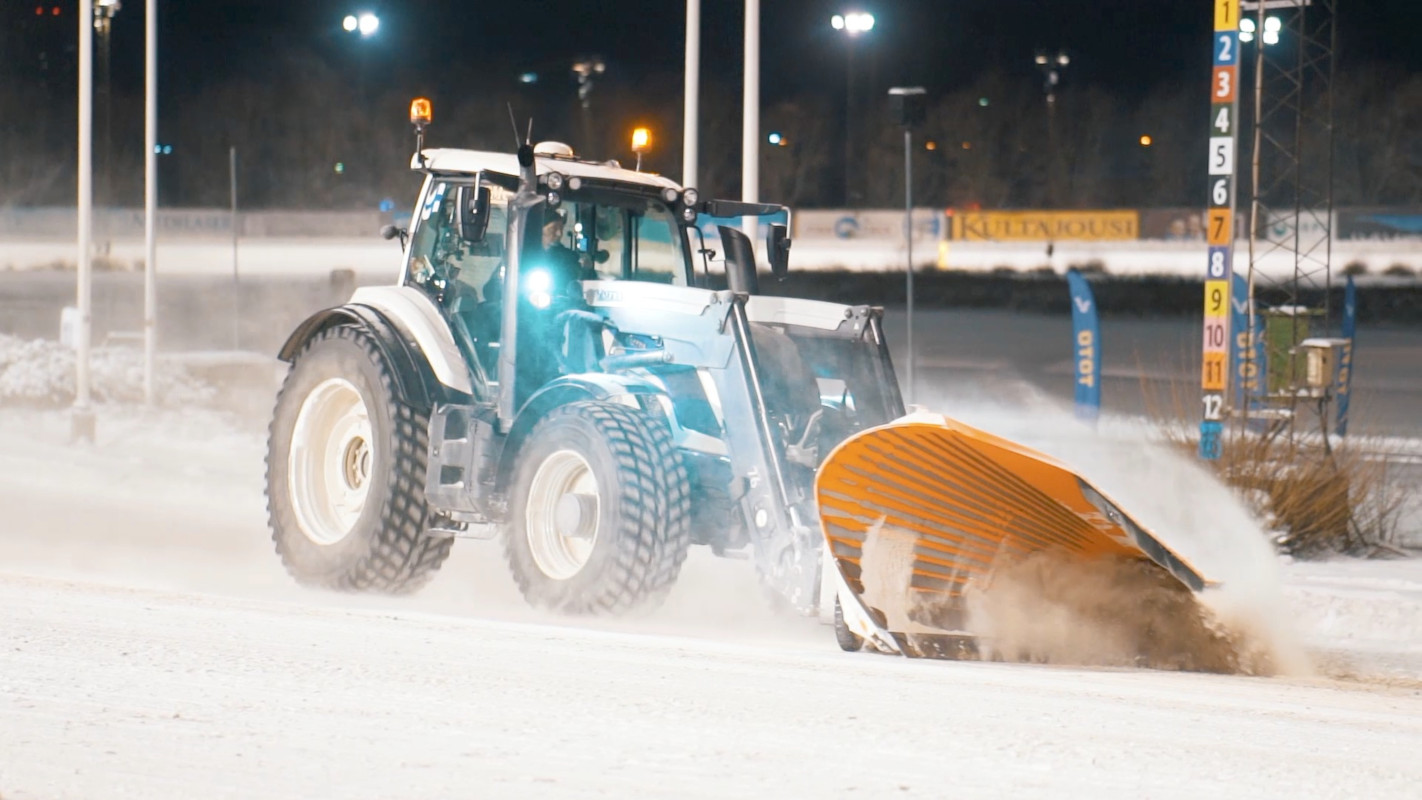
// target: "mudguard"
[[917, 511]]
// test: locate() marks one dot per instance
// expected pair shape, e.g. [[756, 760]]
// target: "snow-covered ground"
[[150, 646]]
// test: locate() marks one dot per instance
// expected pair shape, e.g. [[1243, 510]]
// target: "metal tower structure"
[[1290, 218]]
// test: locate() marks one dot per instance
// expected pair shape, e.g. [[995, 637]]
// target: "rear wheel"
[[600, 511], [346, 472]]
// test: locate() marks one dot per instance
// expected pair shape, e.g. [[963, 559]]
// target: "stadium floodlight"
[[853, 23]]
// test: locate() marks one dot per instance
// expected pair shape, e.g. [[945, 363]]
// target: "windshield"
[[615, 236]]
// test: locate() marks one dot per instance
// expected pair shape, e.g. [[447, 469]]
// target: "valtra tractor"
[[557, 368]]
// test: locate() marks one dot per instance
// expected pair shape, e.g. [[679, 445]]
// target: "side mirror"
[[473, 212], [391, 231], [740, 261], [777, 248]]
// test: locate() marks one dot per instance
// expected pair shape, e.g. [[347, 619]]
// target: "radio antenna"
[[514, 124]]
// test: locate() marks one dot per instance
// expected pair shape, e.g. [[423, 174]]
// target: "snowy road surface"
[[151, 647]]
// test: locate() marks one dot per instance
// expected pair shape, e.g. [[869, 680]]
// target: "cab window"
[[620, 237]]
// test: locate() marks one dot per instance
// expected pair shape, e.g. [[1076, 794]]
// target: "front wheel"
[[848, 640], [346, 472], [600, 511]]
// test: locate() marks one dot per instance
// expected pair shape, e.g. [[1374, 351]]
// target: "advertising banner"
[[1380, 224], [871, 225], [1086, 346], [1044, 226], [1344, 386], [1247, 350]]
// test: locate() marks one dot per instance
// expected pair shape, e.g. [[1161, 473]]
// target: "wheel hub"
[[330, 463], [575, 515], [561, 517]]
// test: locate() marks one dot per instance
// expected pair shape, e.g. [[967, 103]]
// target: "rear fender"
[[413, 377]]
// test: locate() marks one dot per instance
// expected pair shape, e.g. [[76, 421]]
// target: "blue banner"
[[1246, 349], [1086, 346], [1344, 386]]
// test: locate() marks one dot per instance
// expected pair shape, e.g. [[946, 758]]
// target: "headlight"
[[554, 181], [688, 215], [538, 285], [690, 196], [538, 280], [554, 199], [669, 194], [575, 183]]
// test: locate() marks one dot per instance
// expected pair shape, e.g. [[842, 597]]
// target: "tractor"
[[568, 365]]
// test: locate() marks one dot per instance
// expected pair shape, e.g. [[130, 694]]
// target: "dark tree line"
[[310, 135]]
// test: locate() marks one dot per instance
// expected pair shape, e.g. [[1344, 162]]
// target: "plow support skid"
[[917, 511]]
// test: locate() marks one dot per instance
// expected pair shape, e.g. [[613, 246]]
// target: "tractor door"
[[459, 265]]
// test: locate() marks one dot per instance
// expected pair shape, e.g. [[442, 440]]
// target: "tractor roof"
[[471, 161]]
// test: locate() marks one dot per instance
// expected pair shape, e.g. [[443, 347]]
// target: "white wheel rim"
[[329, 467], [559, 549]]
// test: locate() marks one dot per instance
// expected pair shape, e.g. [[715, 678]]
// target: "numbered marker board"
[[1219, 221]]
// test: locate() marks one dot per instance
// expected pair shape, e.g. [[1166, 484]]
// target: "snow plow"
[[558, 368], [918, 512]]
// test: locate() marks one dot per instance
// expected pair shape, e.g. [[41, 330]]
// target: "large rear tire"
[[346, 472], [600, 511]]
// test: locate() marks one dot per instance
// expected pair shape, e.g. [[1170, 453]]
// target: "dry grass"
[[1318, 495]]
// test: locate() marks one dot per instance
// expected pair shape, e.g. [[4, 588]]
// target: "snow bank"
[[41, 373]]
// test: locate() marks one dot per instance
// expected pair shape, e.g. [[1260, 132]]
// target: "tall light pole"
[[750, 116], [691, 93], [1052, 67], [364, 25], [82, 418], [909, 110], [104, 12], [852, 24], [150, 195]]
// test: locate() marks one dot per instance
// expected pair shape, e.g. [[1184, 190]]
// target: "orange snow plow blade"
[[917, 511]]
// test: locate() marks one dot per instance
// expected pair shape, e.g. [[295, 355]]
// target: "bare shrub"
[[1318, 495]]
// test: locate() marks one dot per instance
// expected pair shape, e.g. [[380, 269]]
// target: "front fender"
[[627, 389]]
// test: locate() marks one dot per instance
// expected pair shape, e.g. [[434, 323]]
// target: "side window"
[[658, 247], [440, 257], [599, 235]]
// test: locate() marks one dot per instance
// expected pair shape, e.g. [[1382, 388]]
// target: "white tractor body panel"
[[419, 318]]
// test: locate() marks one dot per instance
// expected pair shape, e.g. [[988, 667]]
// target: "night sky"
[[1126, 46]]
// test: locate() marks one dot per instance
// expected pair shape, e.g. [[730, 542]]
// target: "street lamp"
[[585, 69], [1052, 67], [104, 12], [852, 24], [364, 23], [1248, 27], [908, 104]]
